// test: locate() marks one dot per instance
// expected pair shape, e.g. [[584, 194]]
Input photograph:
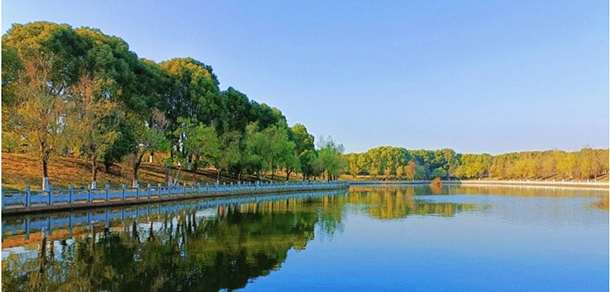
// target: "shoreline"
[[507, 183], [130, 201], [17, 211]]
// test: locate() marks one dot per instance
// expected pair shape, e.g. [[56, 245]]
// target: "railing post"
[[89, 196], [28, 196], [123, 192], [107, 192], [149, 191], [71, 195], [159, 189], [137, 192], [207, 187], [50, 194]]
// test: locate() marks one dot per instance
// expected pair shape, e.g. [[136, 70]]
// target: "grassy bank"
[[19, 170]]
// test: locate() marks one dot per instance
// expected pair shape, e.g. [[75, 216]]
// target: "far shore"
[[524, 183]]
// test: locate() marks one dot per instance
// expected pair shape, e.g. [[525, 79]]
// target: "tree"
[[121, 146], [364, 163], [567, 165], [352, 160], [192, 93], [93, 122], [330, 154], [198, 141], [230, 154], [303, 140], [149, 138], [307, 160], [238, 110], [290, 161], [276, 149], [42, 61]]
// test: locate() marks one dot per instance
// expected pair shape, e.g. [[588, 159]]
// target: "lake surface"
[[365, 239]]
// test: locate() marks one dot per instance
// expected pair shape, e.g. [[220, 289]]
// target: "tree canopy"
[[399, 163], [80, 92]]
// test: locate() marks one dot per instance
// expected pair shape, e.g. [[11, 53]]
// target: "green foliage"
[[273, 147], [303, 140], [330, 155], [231, 152], [393, 162], [61, 84], [238, 110], [122, 146], [198, 141]]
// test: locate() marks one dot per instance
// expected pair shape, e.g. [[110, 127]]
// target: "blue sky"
[[475, 76]]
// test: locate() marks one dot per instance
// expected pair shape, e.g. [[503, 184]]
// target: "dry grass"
[[19, 170]]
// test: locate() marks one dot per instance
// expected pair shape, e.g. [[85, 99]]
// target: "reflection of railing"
[[14, 200], [27, 226]]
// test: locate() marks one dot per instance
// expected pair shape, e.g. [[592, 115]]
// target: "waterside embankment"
[[24, 202], [525, 183]]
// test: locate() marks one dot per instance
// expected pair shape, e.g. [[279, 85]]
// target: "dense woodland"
[[81, 93], [399, 163]]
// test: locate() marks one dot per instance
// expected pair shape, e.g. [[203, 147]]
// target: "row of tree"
[[399, 163], [82, 93]]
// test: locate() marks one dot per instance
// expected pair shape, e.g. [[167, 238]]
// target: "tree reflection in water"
[[187, 252]]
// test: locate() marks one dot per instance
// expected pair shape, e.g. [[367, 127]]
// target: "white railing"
[[28, 198]]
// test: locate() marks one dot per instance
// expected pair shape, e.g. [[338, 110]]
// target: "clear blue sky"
[[475, 76]]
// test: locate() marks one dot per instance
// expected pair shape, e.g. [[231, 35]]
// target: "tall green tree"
[[330, 153], [42, 62], [230, 153], [199, 142]]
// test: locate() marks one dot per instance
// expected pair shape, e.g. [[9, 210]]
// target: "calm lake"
[[370, 238]]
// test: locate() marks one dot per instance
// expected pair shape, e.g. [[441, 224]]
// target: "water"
[[367, 239]]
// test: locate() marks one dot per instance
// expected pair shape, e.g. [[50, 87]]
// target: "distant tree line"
[[79, 92], [399, 163]]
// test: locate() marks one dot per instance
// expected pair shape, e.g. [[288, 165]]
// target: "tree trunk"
[[107, 165], [239, 176], [218, 175], [177, 176], [94, 172], [43, 256], [166, 174], [272, 173], [45, 174], [136, 168], [288, 174]]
